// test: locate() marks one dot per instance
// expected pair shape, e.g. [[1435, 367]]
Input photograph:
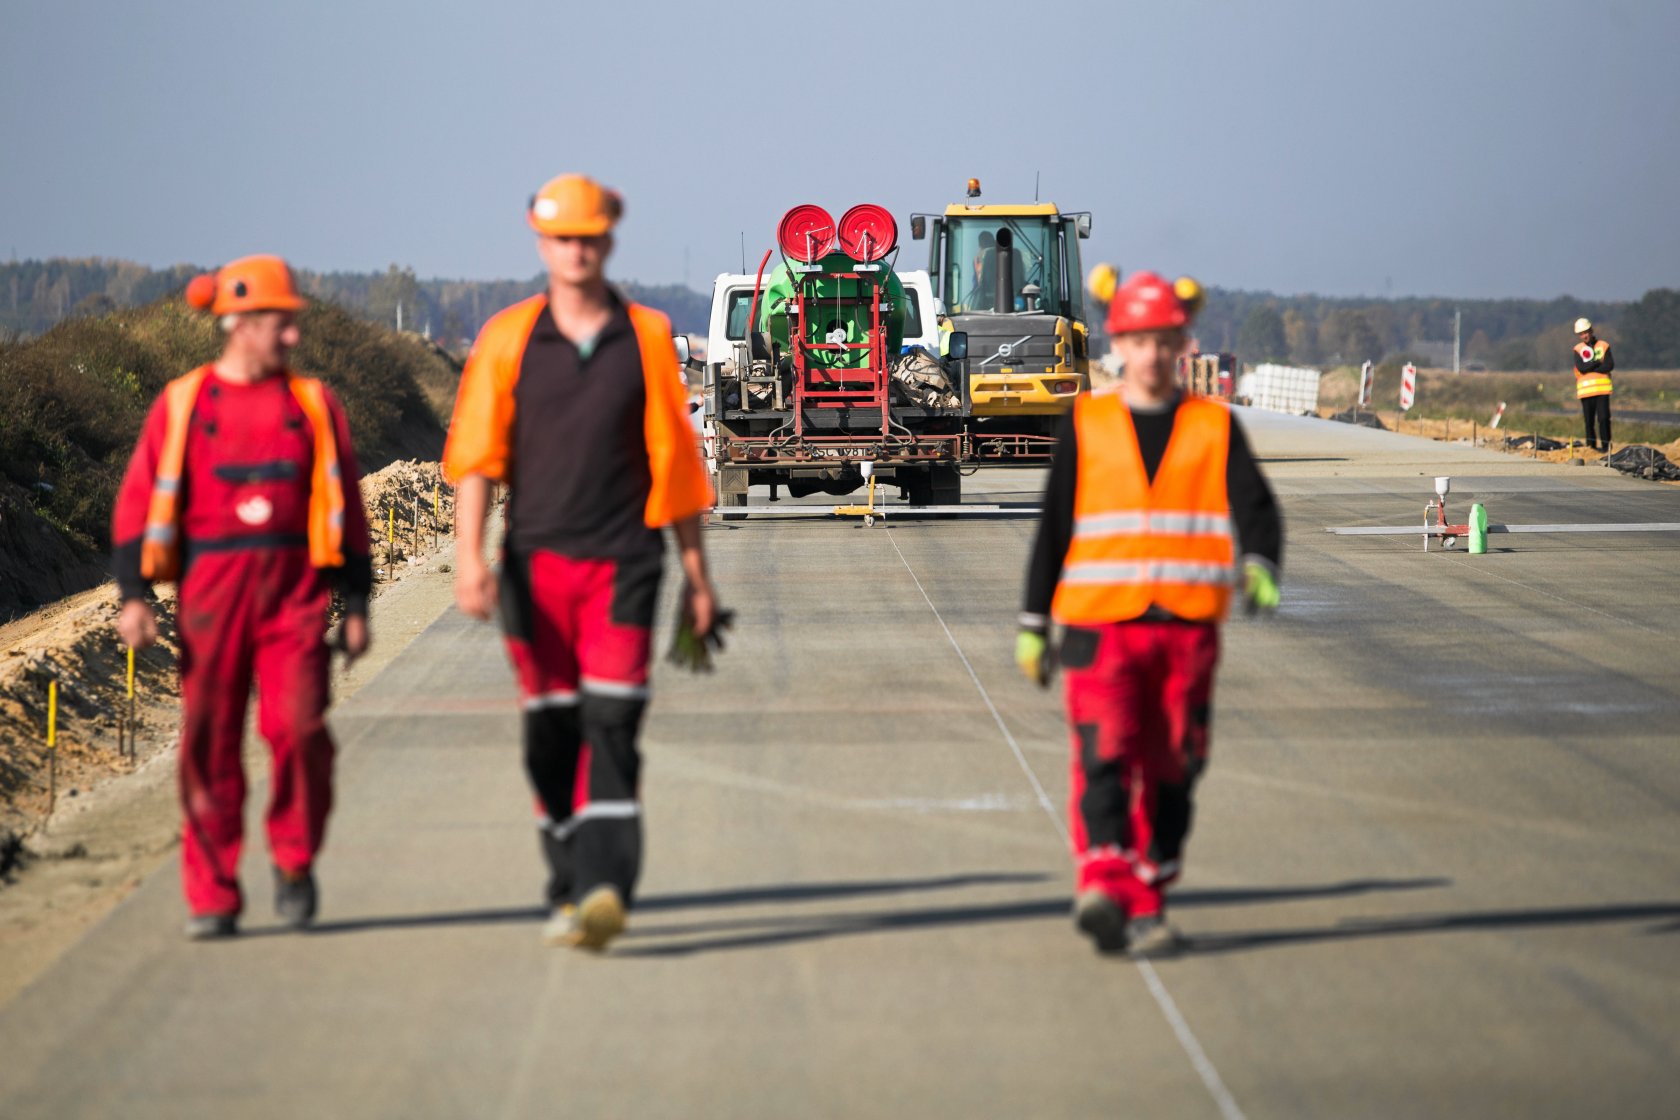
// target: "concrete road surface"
[[1436, 870]]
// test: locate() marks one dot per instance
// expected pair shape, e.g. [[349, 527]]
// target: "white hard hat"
[[938, 307], [1583, 325]]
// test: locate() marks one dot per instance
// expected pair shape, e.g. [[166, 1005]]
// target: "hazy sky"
[[1474, 149]]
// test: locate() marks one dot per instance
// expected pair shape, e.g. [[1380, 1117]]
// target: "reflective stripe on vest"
[[160, 544], [1147, 572], [1156, 521], [1137, 543]]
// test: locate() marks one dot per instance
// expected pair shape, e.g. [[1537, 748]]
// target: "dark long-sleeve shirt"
[[1602, 362], [1254, 510]]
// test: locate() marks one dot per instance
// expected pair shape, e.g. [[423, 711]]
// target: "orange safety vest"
[[160, 546], [481, 430], [1138, 543], [1594, 384]]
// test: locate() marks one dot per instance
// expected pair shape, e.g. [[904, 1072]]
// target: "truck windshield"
[[735, 322], [912, 315], [970, 280]]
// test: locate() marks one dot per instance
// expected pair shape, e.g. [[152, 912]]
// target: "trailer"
[[809, 374]]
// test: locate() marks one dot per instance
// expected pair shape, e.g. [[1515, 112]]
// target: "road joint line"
[[1187, 1040]]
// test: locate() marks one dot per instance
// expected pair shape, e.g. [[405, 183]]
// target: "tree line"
[[1506, 334], [1501, 334], [34, 295]]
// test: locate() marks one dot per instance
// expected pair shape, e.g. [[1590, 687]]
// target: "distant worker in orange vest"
[[573, 399], [1593, 364], [1149, 491], [244, 490]]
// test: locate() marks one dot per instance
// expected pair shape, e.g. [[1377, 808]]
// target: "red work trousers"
[[258, 613], [578, 633], [1139, 697]]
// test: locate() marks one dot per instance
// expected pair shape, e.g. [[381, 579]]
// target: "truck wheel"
[[918, 488], [731, 491], [946, 485]]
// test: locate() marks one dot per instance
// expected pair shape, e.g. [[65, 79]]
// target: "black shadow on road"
[[1240, 896], [421, 921], [816, 892], [751, 933], [741, 896], [1472, 922]]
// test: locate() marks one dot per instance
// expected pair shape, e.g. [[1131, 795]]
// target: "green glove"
[[1260, 589], [1032, 655], [693, 651]]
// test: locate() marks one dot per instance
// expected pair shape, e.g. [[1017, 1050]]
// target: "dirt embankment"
[[74, 642], [37, 564]]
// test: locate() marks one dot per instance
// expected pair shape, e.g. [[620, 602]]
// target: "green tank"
[[776, 314]]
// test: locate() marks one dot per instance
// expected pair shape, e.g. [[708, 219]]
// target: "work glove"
[[1032, 654], [693, 651], [1260, 589]]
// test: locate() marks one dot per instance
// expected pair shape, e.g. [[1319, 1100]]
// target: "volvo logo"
[[1004, 350]]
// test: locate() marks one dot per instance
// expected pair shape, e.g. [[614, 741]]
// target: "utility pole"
[[399, 316], [1458, 322]]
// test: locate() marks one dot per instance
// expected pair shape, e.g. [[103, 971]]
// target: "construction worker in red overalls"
[[573, 399], [1150, 489], [244, 489]]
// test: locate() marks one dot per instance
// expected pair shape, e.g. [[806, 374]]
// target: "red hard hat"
[[1145, 302]]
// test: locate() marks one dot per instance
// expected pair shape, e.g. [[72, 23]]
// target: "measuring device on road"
[[1437, 524], [1451, 534]]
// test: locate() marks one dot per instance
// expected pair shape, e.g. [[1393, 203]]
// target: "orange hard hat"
[[574, 206], [1145, 302], [260, 283]]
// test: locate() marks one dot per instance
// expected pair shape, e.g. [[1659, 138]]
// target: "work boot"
[[599, 919], [295, 897], [1100, 918], [212, 927], [1152, 936], [562, 920]]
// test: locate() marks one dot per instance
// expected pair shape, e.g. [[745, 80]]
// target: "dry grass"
[[1534, 402]]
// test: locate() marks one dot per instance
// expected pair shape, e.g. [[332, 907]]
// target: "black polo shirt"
[[579, 479]]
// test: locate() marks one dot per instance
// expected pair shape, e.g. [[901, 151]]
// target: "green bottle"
[[1478, 529]]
